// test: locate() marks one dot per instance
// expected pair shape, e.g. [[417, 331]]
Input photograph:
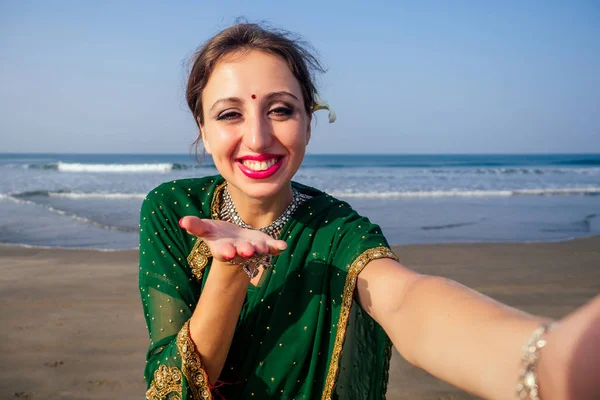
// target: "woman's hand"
[[229, 242]]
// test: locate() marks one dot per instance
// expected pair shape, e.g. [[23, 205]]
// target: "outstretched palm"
[[228, 241]]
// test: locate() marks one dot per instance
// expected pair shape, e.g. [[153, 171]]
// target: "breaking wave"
[[113, 168], [473, 193], [77, 195]]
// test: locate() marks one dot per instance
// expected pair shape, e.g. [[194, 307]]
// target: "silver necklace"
[[229, 213]]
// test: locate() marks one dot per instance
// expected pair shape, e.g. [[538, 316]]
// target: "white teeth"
[[259, 165]]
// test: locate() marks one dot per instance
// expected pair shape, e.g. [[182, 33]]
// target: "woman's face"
[[255, 125]]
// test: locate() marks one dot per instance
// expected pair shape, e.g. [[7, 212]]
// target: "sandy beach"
[[72, 326]]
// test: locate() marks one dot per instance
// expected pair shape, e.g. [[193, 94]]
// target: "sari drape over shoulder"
[[300, 335]]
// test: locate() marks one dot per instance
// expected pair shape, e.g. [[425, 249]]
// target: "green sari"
[[300, 335]]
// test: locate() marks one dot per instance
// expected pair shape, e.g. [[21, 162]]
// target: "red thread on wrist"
[[212, 387]]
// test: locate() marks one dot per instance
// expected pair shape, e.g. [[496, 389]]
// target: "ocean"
[[93, 200]]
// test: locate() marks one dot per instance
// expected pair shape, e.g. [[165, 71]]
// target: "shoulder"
[[354, 233], [193, 194], [329, 215], [191, 186], [324, 206]]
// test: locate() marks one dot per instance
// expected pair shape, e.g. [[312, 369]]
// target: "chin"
[[260, 188], [264, 190]]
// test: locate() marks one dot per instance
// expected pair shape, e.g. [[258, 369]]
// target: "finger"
[[195, 226], [224, 251], [276, 247], [244, 249], [261, 248]]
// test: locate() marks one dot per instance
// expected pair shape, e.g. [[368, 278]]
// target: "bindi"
[[253, 96]]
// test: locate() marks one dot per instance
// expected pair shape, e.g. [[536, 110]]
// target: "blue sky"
[[420, 77]]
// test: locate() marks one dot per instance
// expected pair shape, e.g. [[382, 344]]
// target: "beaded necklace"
[[229, 213]]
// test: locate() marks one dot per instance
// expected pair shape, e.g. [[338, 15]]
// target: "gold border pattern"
[[198, 257], [348, 296], [215, 205], [194, 373], [167, 381]]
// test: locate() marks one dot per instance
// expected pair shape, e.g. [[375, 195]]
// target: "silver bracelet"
[[528, 388], [250, 266]]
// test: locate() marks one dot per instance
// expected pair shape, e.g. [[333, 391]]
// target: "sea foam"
[[77, 167], [471, 193]]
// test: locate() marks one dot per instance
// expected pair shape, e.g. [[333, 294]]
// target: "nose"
[[258, 134]]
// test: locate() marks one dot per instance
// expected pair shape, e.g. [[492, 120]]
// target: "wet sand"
[[72, 326]]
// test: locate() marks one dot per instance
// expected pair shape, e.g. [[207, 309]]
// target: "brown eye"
[[281, 112], [228, 116]]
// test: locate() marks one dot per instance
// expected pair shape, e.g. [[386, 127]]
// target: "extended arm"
[[462, 336], [213, 322]]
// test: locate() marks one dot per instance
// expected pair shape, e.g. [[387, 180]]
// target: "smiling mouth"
[[262, 165]]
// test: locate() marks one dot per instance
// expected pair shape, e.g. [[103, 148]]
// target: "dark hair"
[[244, 37]]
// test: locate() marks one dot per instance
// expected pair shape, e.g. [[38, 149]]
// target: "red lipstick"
[[258, 157], [250, 173]]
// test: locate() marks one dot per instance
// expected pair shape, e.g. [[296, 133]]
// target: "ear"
[[203, 136], [309, 129]]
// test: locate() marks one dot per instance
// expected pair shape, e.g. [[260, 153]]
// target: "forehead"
[[247, 73]]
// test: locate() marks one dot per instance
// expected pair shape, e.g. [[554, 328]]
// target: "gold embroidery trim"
[[215, 205], [348, 296], [196, 376], [198, 257], [167, 380]]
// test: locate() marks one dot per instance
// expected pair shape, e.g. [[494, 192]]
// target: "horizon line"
[[316, 154]]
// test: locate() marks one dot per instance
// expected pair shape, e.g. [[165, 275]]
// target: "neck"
[[260, 212]]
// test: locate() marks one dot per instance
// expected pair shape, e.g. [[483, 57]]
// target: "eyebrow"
[[282, 93], [237, 100]]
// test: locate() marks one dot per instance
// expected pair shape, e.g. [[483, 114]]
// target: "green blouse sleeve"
[[169, 295], [361, 350]]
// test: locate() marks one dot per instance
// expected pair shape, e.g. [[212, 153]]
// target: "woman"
[[308, 306]]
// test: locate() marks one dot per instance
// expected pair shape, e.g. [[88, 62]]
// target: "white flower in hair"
[[321, 104]]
